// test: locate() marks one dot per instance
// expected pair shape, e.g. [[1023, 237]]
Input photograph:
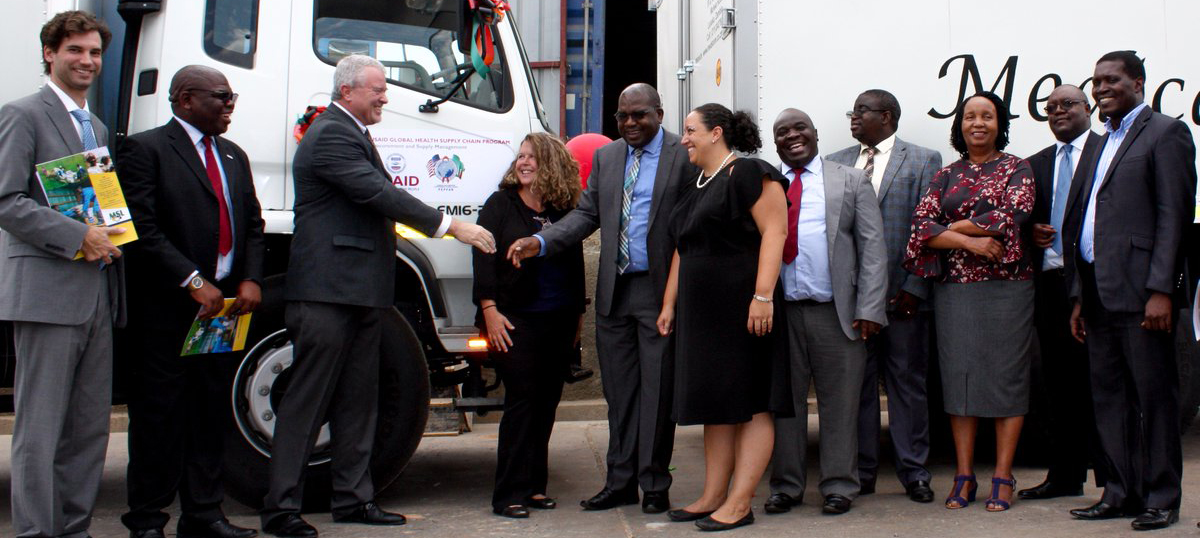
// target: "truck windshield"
[[417, 45]]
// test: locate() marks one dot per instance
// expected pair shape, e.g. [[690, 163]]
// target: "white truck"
[[447, 135], [762, 56]]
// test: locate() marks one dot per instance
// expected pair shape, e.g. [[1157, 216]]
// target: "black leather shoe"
[[221, 528], [577, 373], [681, 515], [919, 491], [544, 503], [779, 503], [369, 513], [866, 486], [835, 504], [147, 533], [1049, 490], [1155, 518], [1098, 511], [655, 502], [515, 511], [608, 499], [290, 526], [709, 524]]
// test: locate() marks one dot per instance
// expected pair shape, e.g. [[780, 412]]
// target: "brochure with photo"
[[84, 187], [220, 334]]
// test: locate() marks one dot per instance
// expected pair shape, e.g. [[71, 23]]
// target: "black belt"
[[632, 274], [1060, 272], [809, 302]]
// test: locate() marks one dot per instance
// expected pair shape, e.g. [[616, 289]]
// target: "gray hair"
[[349, 72]]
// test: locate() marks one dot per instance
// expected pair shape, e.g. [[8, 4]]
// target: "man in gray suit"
[[899, 173], [62, 309], [1126, 221], [834, 279], [629, 197], [339, 288]]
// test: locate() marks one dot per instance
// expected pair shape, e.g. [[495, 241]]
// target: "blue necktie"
[[626, 202], [86, 135], [1062, 188]]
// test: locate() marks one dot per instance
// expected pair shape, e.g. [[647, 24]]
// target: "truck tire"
[[262, 378]]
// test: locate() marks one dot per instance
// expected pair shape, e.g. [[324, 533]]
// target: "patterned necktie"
[[1062, 188], [792, 247], [86, 134], [224, 237], [869, 169], [626, 202]]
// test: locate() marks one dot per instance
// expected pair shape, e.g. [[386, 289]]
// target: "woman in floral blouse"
[[967, 238]]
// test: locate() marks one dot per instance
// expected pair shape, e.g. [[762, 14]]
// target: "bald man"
[[629, 198], [200, 239], [1061, 370]]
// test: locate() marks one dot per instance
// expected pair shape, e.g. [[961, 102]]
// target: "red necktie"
[[225, 238], [792, 247]]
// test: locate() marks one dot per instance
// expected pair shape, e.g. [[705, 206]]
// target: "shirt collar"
[[1076, 144], [653, 147], [1125, 121], [884, 146], [191, 131], [360, 125], [814, 167], [67, 101]]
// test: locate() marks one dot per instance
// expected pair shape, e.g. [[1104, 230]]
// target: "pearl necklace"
[[700, 185]]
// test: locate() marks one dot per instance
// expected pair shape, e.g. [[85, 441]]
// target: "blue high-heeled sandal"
[[956, 493], [994, 502]]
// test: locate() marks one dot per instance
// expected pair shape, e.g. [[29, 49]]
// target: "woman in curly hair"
[[530, 315]]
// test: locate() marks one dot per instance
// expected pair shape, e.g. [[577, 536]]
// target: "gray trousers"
[[63, 399], [336, 377], [638, 377], [900, 355], [820, 352]]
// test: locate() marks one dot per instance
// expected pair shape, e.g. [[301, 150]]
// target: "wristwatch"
[[195, 283]]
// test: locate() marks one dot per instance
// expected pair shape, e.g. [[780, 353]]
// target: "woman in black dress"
[[530, 314], [730, 226]]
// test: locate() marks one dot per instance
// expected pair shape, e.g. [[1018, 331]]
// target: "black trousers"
[[178, 417], [1062, 383], [532, 371], [335, 377], [1135, 388]]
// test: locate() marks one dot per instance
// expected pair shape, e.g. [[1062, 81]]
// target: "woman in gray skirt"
[[967, 237]]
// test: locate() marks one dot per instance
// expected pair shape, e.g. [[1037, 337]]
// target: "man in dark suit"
[[629, 197], [339, 284], [1126, 220], [200, 239], [899, 173], [62, 310], [1061, 371]]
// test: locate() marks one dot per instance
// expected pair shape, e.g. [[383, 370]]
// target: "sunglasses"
[[224, 96], [637, 115], [1066, 105]]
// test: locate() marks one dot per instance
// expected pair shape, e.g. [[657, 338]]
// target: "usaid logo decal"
[[445, 168], [396, 163]]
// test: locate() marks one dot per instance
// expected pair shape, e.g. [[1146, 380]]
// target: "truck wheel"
[[1187, 355], [262, 379]]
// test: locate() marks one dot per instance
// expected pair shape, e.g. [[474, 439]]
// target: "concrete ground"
[[447, 488]]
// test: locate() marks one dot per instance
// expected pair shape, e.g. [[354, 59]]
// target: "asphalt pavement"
[[447, 487]]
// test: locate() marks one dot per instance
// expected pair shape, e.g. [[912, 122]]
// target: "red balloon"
[[583, 148]]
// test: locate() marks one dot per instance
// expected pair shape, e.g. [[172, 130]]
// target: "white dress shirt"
[[224, 261], [446, 220], [808, 276], [1054, 260], [883, 153], [68, 102]]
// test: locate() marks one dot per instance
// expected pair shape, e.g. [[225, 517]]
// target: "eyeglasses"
[[860, 111], [225, 96], [1066, 105], [637, 115]]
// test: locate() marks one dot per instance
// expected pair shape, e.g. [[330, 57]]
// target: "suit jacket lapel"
[[614, 190], [835, 187], [182, 144], [61, 119], [1135, 129], [1045, 178], [899, 152], [662, 176]]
